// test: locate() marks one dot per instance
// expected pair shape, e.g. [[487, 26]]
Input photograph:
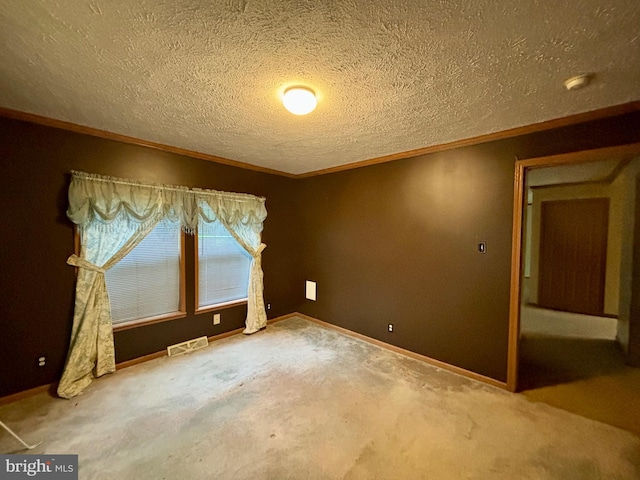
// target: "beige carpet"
[[298, 401], [584, 376]]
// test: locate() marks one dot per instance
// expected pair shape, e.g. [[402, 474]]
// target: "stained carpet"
[[298, 401]]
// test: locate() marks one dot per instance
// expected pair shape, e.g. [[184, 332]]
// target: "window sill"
[[220, 306], [148, 321]]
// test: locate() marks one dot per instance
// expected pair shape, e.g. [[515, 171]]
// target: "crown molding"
[[489, 137], [95, 132], [501, 135]]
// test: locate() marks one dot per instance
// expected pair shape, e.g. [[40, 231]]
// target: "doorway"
[[572, 359]]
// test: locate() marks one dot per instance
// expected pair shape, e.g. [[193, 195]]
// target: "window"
[[146, 285], [222, 268]]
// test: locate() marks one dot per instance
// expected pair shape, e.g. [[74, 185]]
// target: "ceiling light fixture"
[[299, 100]]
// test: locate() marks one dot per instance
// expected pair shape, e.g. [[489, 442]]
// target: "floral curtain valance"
[[113, 216], [100, 199]]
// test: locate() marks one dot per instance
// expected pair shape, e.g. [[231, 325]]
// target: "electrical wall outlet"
[[390, 327], [42, 361], [268, 306], [216, 319]]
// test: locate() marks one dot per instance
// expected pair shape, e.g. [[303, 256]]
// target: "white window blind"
[[223, 267], [146, 283]]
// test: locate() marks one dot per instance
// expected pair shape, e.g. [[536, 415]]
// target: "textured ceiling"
[[567, 174], [391, 76]]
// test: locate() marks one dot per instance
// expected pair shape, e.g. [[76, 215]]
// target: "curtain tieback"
[[257, 252], [76, 261]]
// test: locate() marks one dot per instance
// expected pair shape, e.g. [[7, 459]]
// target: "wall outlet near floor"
[[390, 327], [42, 361], [268, 306], [216, 319]]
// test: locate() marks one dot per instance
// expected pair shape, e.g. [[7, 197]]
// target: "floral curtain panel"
[[113, 215], [240, 224]]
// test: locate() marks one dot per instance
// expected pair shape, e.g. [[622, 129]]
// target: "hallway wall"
[[628, 318], [614, 236]]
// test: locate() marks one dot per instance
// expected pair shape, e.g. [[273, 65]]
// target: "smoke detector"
[[579, 81]]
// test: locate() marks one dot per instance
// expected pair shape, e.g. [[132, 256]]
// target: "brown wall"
[[396, 243], [38, 287], [392, 243]]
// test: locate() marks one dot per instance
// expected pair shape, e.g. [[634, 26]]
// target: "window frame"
[[217, 306], [165, 317]]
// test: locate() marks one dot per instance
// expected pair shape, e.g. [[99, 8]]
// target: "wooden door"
[[573, 255]]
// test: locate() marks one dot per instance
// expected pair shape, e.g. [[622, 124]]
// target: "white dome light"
[[299, 100]]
